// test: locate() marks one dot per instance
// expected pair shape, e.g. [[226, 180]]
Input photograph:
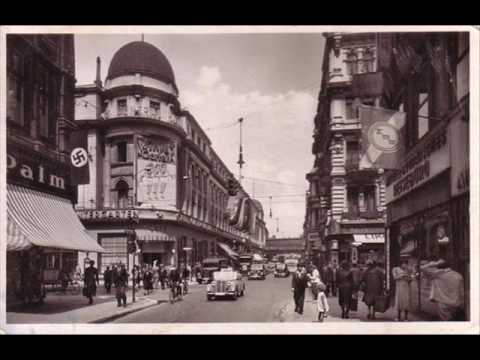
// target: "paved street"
[[269, 300]]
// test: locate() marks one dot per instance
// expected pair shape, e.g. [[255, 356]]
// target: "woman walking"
[[147, 280], [372, 285], [402, 279], [344, 282]]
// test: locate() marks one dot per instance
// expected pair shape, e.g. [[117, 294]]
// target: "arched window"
[[122, 194]]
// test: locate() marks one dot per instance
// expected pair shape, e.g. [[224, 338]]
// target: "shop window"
[[122, 151], [122, 107], [115, 251]]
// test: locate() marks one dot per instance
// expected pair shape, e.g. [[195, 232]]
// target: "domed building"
[[153, 172]]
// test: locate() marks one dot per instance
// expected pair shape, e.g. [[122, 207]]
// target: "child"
[[322, 302]]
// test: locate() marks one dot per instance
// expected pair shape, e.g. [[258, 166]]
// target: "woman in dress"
[[344, 282], [402, 279]]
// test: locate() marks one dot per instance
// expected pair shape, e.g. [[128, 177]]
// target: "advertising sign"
[[156, 173]]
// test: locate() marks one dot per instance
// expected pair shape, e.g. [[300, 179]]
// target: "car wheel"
[[235, 295], [209, 298], [243, 292]]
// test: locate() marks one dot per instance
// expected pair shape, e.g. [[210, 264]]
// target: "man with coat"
[[120, 280], [107, 279], [299, 284], [91, 281]]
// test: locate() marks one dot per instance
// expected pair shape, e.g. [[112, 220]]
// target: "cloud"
[[277, 140]]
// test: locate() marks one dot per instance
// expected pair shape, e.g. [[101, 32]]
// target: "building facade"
[[345, 214], [428, 195], [44, 235], [153, 170], [285, 246]]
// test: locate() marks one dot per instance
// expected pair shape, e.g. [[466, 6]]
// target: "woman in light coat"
[[402, 278]]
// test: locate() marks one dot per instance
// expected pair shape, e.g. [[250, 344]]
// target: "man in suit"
[[299, 284], [91, 282]]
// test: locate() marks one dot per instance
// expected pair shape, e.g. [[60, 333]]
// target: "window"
[[351, 63], [423, 114], [353, 157], [155, 109], [43, 101], [16, 86], [122, 107], [367, 62], [351, 109], [122, 194], [122, 151], [353, 201]]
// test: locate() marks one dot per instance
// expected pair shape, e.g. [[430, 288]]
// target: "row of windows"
[[360, 64]]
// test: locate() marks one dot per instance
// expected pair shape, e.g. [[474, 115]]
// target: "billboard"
[[156, 173]]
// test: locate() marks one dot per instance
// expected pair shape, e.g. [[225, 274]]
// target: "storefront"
[[428, 208], [44, 234]]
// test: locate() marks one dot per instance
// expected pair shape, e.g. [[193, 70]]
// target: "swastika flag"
[[79, 157], [383, 139]]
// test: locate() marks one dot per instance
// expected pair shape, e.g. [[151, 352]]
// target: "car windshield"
[[280, 266], [225, 275], [257, 266]]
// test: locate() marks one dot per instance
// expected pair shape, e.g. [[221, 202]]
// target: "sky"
[[270, 80]]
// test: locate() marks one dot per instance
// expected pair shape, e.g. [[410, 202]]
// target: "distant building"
[[282, 246], [154, 171]]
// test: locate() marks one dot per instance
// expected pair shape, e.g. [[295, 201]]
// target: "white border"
[[471, 327]]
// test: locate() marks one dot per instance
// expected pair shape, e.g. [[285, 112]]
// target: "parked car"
[[211, 265], [257, 271], [226, 283], [281, 270]]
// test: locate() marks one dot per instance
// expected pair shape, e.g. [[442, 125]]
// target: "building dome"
[[144, 58]]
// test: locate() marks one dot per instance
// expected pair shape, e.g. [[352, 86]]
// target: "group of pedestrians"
[[347, 280]]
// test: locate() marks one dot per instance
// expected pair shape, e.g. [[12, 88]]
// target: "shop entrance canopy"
[[369, 238], [40, 219], [228, 250]]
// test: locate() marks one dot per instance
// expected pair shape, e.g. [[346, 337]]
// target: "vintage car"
[[211, 265], [281, 270], [257, 271], [226, 283]]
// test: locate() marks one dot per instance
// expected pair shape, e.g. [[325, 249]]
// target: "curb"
[[125, 313]]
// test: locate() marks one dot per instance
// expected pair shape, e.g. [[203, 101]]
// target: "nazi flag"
[[79, 157]]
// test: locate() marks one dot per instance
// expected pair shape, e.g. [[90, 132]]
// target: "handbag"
[[382, 303], [354, 302]]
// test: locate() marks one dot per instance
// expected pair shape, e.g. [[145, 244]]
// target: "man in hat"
[[299, 284], [91, 281]]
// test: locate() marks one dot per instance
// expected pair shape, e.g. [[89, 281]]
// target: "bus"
[[245, 263]]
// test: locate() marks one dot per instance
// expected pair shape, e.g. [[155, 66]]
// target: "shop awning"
[[153, 235], [40, 219], [408, 248], [369, 238], [228, 250]]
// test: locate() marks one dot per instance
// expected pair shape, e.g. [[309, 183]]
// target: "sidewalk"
[[60, 309], [335, 314]]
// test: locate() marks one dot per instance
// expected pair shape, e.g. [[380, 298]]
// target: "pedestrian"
[[186, 273], [120, 279], [314, 281], [299, 284], [156, 275], [139, 274], [402, 278], [198, 272], [322, 302], [64, 279], [163, 276], [334, 279], [91, 281], [147, 280], [447, 290], [107, 279], [344, 281], [329, 279], [372, 286]]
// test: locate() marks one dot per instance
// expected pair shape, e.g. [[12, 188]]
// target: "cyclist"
[[174, 279]]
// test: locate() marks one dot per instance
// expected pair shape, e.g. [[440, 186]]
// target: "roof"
[[144, 58]]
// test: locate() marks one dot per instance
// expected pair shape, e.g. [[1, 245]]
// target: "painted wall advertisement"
[[156, 173]]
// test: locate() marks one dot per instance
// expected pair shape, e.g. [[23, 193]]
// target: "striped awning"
[[153, 235], [40, 219]]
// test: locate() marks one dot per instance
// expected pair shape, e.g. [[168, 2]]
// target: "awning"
[[153, 235], [40, 219], [369, 238], [228, 250], [408, 248]]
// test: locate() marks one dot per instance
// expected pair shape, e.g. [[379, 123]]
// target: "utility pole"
[[270, 203], [240, 161], [277, 225]]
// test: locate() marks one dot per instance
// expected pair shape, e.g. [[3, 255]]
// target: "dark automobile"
[[257, 271], [281, 270], [211, 265]]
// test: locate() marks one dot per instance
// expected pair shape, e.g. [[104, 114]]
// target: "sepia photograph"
[[239, 179]]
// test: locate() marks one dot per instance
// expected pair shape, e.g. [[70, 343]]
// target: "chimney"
[[98, 79]]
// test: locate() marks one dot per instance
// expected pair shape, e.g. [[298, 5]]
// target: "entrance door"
[[149, 258]]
